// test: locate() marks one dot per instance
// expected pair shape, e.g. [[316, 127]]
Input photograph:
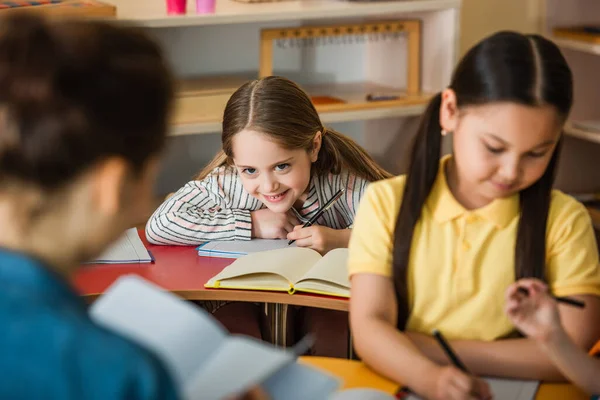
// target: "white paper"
[[128, 249], [180, 333], [361, 394], [205, 361], [508, 389], [290, 383], [239, 248]]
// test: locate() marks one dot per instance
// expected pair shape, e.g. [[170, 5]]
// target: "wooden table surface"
[[180, 270], [355, 374]]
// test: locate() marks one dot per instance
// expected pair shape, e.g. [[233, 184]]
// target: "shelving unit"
[[590, 136], [580, 165], [213, 54], [578, 45], [152, 13], [201, 102]]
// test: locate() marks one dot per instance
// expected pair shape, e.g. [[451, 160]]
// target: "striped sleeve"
[[216, 208], [355, 188], [342, 215]]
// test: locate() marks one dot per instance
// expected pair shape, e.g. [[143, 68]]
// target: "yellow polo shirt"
[[462, 261]]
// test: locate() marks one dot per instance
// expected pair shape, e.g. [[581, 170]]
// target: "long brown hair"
[[279, 108], [505, 67]]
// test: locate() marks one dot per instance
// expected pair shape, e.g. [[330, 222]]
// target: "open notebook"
[[239, 248], [507, 389], [205, 361], [293, 269], [128, 249]]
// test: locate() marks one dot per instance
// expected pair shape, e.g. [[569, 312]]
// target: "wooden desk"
[[356, 374], [180, 270]]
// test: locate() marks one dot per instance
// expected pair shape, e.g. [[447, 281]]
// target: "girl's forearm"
[[510, 358], [392, 354], [573, 362]]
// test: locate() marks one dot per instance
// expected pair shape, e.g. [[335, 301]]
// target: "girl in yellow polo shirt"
[[436, 248], [536, 315]]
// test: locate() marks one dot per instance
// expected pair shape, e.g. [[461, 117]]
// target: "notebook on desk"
[[506, 389], [239, 248], [293, 269], [128, 249], [205, 361]]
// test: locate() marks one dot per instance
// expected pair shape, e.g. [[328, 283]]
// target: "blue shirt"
[[51, 349]]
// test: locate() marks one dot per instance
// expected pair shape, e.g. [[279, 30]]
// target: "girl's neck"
[[466, 196], [40, 240]]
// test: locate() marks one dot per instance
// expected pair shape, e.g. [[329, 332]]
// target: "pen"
[[449, 352], [321, 211], [565, 300]]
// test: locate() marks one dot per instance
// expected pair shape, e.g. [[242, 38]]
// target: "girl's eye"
[[537, 155], [281, 167], [249, 171], [494, 150]]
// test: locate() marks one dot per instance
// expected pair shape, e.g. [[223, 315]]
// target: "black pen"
[[449, 352], [565, 300], [321, 211]]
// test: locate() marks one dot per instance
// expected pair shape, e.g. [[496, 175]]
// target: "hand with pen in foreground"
[[535, 313], [532, 309], [455, 382]]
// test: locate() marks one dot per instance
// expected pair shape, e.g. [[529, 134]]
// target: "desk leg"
[[350, 346], [277, 314]]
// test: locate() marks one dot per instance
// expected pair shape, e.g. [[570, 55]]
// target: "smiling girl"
[[277, 167]]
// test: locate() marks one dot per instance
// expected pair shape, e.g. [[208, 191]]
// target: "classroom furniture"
[[226, 47], [579, 170], [59, 8], [181, 271], [213, 54], [355, 374]]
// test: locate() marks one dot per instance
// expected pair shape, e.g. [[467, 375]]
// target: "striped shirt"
[[218, 208]]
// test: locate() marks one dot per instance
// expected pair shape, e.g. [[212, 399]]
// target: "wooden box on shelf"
[[64, 8], [353, 96]]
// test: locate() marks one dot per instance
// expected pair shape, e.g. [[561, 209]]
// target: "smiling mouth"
[[275, 198], [504, 186]]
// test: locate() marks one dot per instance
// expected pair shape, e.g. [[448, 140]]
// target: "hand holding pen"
[[458, 382], [320, 238]]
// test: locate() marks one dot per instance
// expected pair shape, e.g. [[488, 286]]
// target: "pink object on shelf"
[[205, 6], [176, 7]]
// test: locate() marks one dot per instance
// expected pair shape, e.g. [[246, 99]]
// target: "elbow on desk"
[[159, 232]]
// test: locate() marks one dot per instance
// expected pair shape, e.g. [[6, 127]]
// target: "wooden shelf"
[[595, 214], [579, 45], [200, 103], [152, 13], [582, 133]]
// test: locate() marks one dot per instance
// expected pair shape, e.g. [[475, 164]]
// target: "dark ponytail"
[[422, 171], [505, 67]]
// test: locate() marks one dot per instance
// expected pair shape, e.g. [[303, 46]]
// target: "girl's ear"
[[109, 179], [316, 146], [449, 111]]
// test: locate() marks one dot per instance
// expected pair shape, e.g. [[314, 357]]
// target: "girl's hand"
[[267, 224], [320, 238], [536, 314], [452, 384]]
